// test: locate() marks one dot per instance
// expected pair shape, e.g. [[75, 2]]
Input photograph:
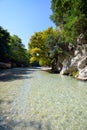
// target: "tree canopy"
[[37, 47], [4, 44], [71, 15], [45, 47], [12, 49]]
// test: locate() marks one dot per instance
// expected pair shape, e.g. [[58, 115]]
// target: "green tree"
[[19, 54], [4, 45], [37, 47], [56, 48], [70, 15]]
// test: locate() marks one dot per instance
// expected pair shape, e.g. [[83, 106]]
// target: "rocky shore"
[[74, 63]]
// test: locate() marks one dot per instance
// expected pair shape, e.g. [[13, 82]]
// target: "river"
[[31, 99]]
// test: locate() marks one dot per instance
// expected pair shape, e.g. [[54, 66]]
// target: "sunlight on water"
[[43, 101]]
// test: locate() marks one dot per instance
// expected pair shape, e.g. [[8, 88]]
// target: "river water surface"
[[31, 99]]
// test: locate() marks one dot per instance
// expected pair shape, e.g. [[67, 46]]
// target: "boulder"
[[5, 65], [82, 75], [65, 68]]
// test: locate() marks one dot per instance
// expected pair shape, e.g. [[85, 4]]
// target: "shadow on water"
[[16, 74], [6, 124], [7, 102], [36, 125]]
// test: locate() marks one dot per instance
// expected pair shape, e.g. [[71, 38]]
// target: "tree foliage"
[[70, 15], [38, 48], [12, 50], [45, 47], [18, 52], [57, 47], [4, 46]]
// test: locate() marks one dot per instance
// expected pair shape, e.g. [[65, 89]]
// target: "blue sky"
[[24, 17]]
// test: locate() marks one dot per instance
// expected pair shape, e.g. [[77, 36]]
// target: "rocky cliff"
[[76, 65]]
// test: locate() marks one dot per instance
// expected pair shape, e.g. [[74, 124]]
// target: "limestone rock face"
[[82, 63], [74, 62], [70, 64], [65, 68], [82, 75], [77, 63]]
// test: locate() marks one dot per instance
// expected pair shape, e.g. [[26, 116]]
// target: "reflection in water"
[[36, 100]]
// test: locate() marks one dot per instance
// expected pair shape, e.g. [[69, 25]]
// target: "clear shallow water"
[[31, 99]]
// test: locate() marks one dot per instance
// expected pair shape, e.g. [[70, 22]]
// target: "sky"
[[25, 17]]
